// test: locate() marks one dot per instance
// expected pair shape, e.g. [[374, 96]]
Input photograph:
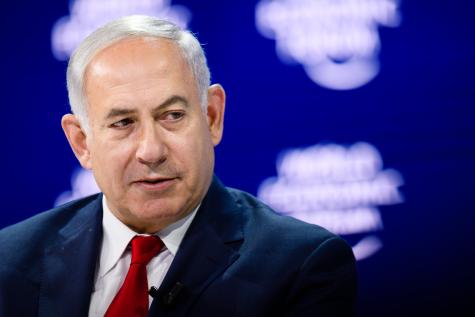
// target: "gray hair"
[[127, 27]]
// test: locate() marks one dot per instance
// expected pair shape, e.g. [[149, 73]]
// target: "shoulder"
[[26, 240], [316, 266], [295, 237], [260, 214]]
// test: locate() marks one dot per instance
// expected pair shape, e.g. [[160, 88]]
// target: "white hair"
[[127, 27]]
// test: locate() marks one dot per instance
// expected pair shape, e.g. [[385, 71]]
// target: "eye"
[[173, 115], [122, 123]]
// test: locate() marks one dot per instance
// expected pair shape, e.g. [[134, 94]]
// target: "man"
[[146, 121]]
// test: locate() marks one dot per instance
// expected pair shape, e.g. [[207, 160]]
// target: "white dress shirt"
[[115, 256]]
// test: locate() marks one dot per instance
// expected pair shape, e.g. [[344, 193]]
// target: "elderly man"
[[165, 237]]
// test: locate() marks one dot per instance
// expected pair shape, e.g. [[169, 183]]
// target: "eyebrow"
[[171, 101], [116, 112]]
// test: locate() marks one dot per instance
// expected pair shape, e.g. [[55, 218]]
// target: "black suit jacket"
[[238, 258]]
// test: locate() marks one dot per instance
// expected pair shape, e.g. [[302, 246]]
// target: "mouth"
[[155, 184]]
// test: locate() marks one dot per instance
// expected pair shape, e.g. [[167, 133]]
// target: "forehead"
[[138, 58]]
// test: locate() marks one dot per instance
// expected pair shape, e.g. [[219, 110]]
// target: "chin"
[[156, 209]]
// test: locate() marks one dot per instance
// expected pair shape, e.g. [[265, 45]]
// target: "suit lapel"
[[69, 265], [207, 250]]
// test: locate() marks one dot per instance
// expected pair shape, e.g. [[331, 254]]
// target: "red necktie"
[[132, 298]]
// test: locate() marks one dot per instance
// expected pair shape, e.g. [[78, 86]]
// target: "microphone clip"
[[167, 299]]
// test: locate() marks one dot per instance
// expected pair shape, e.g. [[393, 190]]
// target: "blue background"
[[419, 112]]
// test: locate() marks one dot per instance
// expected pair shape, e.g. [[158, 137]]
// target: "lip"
[[155, 184]]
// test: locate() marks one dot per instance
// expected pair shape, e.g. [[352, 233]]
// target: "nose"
[[151, 149]]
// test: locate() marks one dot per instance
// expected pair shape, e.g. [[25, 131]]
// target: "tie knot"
[[144, 248]]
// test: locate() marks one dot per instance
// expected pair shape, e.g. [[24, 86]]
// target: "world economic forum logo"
[[335, 186], [336, 41], [87, 15], [83, 184]]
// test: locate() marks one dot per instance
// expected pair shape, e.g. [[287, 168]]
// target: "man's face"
[[150, 145]]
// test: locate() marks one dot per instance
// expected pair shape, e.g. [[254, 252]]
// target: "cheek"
[[109, 162], [199, 156]]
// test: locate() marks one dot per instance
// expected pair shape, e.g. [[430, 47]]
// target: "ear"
[[215, 112], [77, 139]]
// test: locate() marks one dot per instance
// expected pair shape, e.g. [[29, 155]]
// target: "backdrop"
[[354, 114]]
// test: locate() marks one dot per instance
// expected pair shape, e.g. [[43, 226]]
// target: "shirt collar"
[[116, 237]]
